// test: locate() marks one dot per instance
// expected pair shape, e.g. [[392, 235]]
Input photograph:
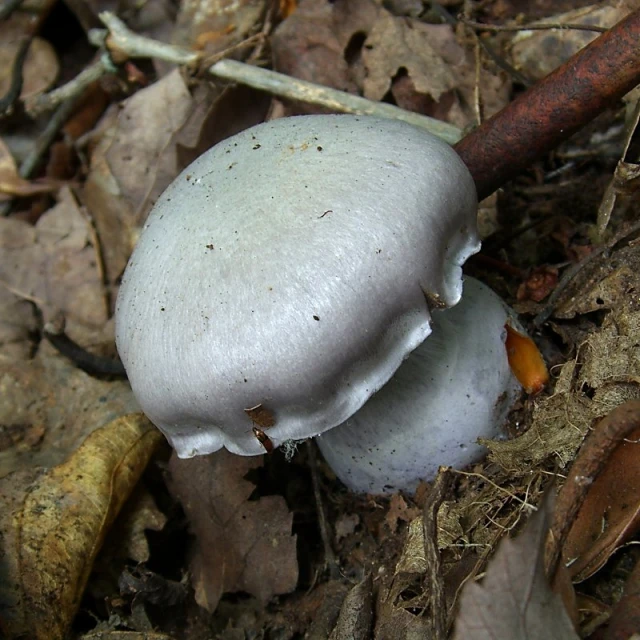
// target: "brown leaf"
[[356, 614], [514, 600], [610, 514], [41, 66], [128, 538], [18, 324], [48, 407], [399, 511], [242, 545], [315, 43], [215, 26], [399, 43], [11, 184], [54, 522], [538, 53], [55, 263]]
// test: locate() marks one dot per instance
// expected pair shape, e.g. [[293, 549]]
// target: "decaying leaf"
[[128, 539], [41, 66], [397, 43], [215, 26], [125, 163], [514, 599], [18, 323], [242, 545], [55, 263], [605, 283], [356, 614], [538, 53], [361, 47], [11, 184], [610, 514], [54, 522], [48, 407]]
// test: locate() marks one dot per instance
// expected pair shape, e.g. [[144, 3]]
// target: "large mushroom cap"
[[291, 268]]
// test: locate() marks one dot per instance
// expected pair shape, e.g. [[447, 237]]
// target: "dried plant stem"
[[122, 43], [554, 108], [42, 103], [434, 575]]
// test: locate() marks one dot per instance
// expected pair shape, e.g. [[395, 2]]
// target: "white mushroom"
[[456, 387], [285, 275]]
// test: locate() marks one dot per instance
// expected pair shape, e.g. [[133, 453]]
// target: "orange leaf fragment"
[[526, 361]]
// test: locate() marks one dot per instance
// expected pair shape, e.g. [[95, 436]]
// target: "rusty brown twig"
[[555, 108]]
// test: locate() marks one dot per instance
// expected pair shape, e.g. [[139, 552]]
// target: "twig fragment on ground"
[[89, 362], [539, 26], [330, 560], [122, 43], [434, 582], [44, 102]]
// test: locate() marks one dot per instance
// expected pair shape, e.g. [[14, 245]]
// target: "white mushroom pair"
[[284, 277]]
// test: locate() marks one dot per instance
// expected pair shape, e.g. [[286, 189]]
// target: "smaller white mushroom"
[[456, 387]]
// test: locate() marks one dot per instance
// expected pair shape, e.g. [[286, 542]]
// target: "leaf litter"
[[244, 537]]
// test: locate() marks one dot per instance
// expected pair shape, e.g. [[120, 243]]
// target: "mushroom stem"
[[554, 108], [456, 387]]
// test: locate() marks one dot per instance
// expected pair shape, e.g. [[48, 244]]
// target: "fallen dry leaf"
[[514, 600], [215, 26], [361, 48], [538, 53], [48, 407], [318, 42], [11, 184], [401, 43], [54, 522], [18, 324], [610, 514], [41, 66], [242, 545], [356, 614], [124, 164], [127, 538], [55, 263], [604, 374], [399, 511]]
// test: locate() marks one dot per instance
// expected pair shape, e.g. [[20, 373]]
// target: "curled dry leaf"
[[514, 599], [11, 184], [399, 43], [610, 514], [242, 545], [57, 521]]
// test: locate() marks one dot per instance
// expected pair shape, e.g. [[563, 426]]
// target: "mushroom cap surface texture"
[[456, 387], [291, 268]]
